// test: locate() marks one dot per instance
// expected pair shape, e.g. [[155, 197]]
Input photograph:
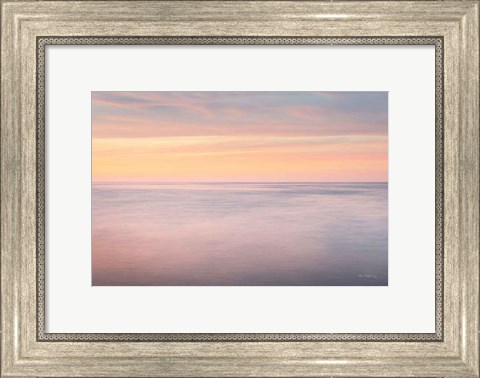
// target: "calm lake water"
[[281, 234]]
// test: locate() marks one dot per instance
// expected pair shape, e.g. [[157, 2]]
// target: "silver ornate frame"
[[42, 42], [451, 25]]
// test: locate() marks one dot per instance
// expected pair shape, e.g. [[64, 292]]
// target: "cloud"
[[153, 114], [240, 136]]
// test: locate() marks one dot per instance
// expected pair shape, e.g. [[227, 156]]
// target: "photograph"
[[230, 188]]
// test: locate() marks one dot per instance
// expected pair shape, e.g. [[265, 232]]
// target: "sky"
[[240, 136]]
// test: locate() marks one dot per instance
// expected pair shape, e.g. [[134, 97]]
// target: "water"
[[282, 234]]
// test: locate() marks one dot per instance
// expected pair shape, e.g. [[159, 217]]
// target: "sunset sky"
[[239, 136]]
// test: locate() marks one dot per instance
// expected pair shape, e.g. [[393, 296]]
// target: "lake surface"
[[282, 234]]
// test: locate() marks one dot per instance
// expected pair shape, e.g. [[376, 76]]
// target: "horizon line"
[[238, 182]]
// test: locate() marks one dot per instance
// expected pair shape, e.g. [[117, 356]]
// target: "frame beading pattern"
[[42, 42]]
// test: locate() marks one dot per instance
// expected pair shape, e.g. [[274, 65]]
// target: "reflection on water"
[[281, 234]]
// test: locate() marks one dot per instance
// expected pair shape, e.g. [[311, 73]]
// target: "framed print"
[[240, 188]]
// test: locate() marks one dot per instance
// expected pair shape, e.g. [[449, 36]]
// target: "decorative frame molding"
[[452, 26]]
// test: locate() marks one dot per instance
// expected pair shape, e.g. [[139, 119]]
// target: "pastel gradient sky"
[[239, 136]]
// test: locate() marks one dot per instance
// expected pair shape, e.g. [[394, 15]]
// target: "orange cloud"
[[248, 158], [239, 136]]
